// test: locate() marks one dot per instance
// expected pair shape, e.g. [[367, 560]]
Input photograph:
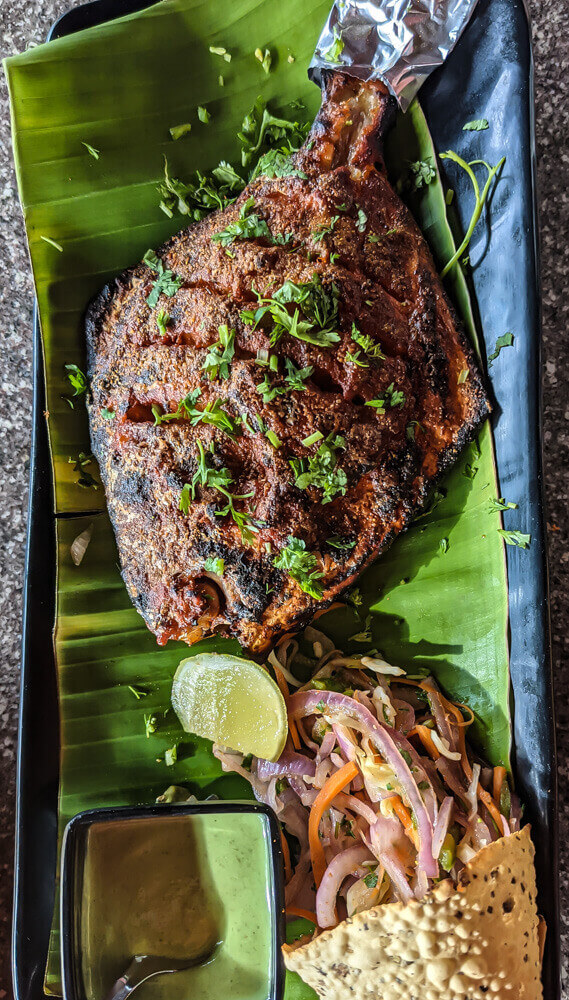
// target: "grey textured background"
[[21, 24]]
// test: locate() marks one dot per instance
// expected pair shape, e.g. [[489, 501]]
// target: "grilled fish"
[[275, 391]]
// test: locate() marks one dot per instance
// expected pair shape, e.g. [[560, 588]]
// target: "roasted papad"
[[480, 939]]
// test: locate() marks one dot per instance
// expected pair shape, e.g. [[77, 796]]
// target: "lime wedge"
[[231, 701]]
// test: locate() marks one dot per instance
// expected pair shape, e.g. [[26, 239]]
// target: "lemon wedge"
[[231, 701]]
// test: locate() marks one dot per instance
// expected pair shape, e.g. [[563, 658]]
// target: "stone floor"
[[21, 24]]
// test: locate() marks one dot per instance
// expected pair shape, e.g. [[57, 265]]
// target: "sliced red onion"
[[383, 835], [441, 826], [327, 745], [421, 884], [305, 794], [437, 708], [232, 762], [345, 742], [345, 801], [287, 765], [453, 778], [340, 867], [299, 878], [341, 709]]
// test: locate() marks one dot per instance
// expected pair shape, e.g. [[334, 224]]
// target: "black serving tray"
[[489, 74]]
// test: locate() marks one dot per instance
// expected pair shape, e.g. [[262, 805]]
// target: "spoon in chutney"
[[143, 967]]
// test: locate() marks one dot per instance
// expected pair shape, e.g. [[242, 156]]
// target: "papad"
[[478, 940]]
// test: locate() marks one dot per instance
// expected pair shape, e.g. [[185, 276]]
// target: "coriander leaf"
[[463, 375], [162, 320], [365, 634], [367, 343], [321, 471], [219, 479], [317, 302], [293, 381], [91, 150], [85, 480], [444, 544], [319, 234], [354, 359], [202, 195], [278, 163], [77, 379], [166, 283], [501, 504], [506, 340], [215, 565], [178, 131], [362, 221], [248, 226], [261, 130], [421, 173], [391, 397], [219, 356], [515, 538], [371, 880], [478, 125], [301, 566], [334, 51], [342, 544], [204, 115], [107, 414]]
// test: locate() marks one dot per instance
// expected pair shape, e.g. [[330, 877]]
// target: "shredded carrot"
[[498, 781], [286, 858], [296, 911], [403, 814], [465, 722], [324, 611], [406, 680], [336, 783], [292, 727], [424, 734], [491, 807]]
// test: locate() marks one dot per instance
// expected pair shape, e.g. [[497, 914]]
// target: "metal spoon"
[[143, 967]]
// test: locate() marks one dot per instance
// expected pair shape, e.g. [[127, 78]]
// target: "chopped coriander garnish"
[[322, 470], [506, 340], [371, 879], [177, 131], [77, 379], [204, 115], [293, 381], [478, 125], [301, 566], [273, 439], [367, 343], [265, 59], [317, 302], [219, 356], [334, 51], [449, 196], [444, 544], [406, 757], [361, 221], [205, 194], [463, 375], [501, 504], [353, 358], [52, 243], [166, 283], [212, 414], [219, 479], [107, 414], [334, 257], [91, 150], [319, 234], [365, 634], [391, 397], [312, 439], [290, 58], [421, 173], [85, 480], [470, 471], [162, 320], [373, 238], [221, 81], [515, 538], [214, 565], [342, 544], [410, 429], [138, 691]]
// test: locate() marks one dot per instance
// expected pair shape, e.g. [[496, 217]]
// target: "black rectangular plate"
[[490, 74]]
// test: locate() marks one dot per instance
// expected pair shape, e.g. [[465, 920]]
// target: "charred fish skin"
[[336, 443]]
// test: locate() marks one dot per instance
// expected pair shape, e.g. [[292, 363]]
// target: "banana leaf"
[[425, 604]]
